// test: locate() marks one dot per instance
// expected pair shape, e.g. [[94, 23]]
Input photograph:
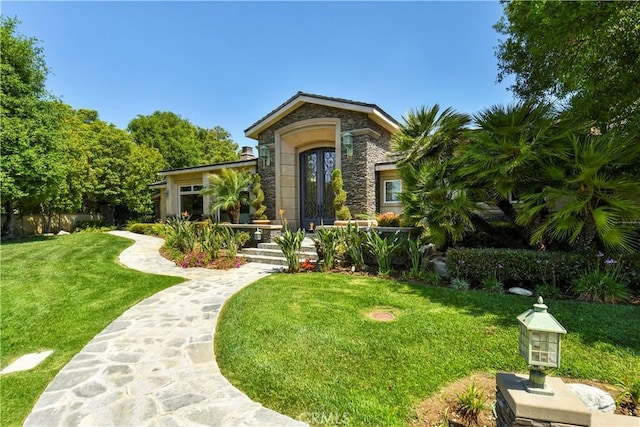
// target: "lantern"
[[347, 141], [264, 155], [539, 345]]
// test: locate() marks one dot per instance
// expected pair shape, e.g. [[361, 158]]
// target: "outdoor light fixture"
[[257, 235], [347, 141], [265, 155], [539, 344]]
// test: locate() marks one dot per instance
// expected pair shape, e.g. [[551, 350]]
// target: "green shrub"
[[493, 285], [548, 291], [430, 278], [415, 254], [149, 229], [181, 234], [525, 268], [470, 403], [341, 210], [258, 198], [600, 286], [459, 284], [630, 390], [382, 249], [290, 243], [354, 240], [326, 246]]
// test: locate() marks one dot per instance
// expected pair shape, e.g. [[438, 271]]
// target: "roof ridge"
[[326, 98]]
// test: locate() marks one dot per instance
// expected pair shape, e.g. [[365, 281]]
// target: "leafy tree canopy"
[[586, 53], [217, 145], [180, 142], [30, 171]]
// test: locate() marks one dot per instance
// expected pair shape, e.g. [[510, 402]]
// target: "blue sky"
[[230, 63]]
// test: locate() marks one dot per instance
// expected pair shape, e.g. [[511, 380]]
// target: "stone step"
[[270, 252], [265, 259], [306, 246]]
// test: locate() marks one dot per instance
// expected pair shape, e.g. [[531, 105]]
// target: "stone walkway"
[[154, 365]]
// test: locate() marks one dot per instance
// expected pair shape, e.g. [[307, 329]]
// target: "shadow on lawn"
[[593, 323], [24, 239]]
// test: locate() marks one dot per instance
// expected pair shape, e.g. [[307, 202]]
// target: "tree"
[[586, 53], [181, 143], [227, 191], [428, 140], [176, 138], [143, 165], [591, 189], [30, 170], [217, 145], [571, 185], [504, 155]]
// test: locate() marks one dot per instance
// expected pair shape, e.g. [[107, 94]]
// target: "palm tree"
[[428, 140], [507, 148], [227, 191], [591, 189], [428, 134]]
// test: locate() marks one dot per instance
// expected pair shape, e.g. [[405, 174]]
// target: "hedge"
[[529, 268]]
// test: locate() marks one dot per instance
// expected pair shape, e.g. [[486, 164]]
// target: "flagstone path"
[[154, 365]]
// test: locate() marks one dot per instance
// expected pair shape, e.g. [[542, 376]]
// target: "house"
[[299, 144]]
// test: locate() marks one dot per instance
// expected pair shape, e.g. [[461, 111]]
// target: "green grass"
[[57, 294], [302, 345]]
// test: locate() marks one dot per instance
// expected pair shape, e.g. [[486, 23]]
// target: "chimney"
[[247, 153]]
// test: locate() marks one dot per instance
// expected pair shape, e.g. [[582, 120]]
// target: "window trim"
[[384, 191]]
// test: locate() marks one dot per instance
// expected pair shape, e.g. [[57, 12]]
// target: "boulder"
[[595, 400], [440, 267], [63, 233], [520, 291]]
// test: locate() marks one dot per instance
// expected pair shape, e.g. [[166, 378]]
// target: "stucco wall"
[[387, 175]]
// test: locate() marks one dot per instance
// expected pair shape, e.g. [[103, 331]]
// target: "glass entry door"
[[316, 195]]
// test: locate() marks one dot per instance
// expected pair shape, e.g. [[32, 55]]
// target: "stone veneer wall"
[[358, 172]]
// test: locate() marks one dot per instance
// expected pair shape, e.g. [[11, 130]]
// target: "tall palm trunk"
[[586, 236], [234, 213]]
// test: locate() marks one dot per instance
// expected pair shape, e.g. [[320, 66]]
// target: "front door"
[[316, 195]]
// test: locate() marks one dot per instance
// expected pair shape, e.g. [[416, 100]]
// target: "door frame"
[[320, 185]]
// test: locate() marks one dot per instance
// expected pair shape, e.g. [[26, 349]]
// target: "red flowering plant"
[[308, 265]]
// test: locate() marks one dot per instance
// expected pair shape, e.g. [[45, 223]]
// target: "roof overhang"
[[374, 112], [211, 168], [157, 185]]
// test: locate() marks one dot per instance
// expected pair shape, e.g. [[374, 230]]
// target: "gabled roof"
[[375, 113]]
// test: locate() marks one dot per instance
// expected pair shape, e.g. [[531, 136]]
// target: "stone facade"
[[371, 145]]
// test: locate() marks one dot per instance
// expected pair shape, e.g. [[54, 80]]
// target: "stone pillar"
[[206, 199], [515, 407]]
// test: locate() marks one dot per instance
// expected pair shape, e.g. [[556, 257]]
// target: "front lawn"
[[57, 294], [304, 346]]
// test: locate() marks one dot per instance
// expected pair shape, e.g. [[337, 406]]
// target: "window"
[[392, 190], [191, 201]]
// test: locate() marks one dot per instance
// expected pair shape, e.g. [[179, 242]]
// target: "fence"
[[37, 224]]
